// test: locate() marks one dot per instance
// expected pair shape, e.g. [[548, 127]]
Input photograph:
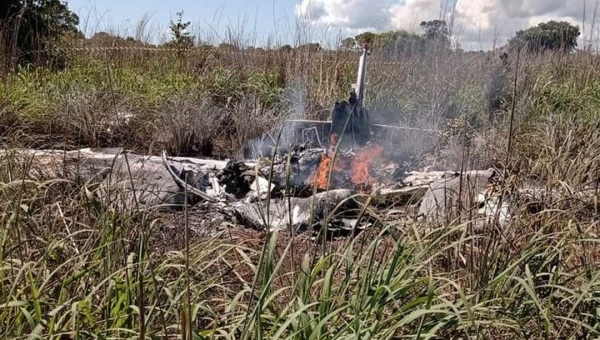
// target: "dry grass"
[[71, 268]]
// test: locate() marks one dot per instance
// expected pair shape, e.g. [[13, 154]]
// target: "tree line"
[[30, 26], [549, 36]]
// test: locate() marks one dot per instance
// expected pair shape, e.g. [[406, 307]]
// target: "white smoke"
[[294, 100], [475, 23]]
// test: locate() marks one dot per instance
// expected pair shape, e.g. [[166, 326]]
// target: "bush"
[[189, 126]]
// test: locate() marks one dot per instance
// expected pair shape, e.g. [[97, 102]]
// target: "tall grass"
[[72, 268]]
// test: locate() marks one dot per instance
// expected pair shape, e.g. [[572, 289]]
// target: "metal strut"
[[359, 87]]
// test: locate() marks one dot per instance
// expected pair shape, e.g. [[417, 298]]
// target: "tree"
[[365, 38], [181, 37], [393, 43], [435, 29], [436, 34], [396, 43], [35, 25], [227, 47], [552, 35], [310, 47], [405, 43], [286, 48], [348, 44], [107, 39]]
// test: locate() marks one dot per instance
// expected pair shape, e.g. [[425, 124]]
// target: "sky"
[[210, 18], [476, 24]]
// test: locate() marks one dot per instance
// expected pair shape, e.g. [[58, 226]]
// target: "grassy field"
[[70, 268]]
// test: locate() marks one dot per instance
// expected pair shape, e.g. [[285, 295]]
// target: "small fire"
[[321, 175], [357, 167], [362, 162]]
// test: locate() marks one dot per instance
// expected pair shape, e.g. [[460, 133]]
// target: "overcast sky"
[[476, 23]]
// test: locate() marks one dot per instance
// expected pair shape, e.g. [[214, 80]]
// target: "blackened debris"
[[357, 130], [236, 177], [303, 162]]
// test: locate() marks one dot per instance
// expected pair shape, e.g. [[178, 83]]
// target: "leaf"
[[13, 304]]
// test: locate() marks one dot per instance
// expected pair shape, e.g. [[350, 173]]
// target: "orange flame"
[[321, 175], [358, 167], [362, 162]]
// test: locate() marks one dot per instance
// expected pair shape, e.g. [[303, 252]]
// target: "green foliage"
[[106, 39], [552, 35], [181, 37], [227, 47], [436, 34], [38, 92], [266, 86], [365, 38], [286, 48], [400, 43], [81, 103], [70, 268], [565, 99], [394, 43], [108, 273], [435, 29], [224, 85], [348, 43], [30, 25], [469, 103], [310, 47]]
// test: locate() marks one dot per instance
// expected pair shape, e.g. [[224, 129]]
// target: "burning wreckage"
[[338, 185]]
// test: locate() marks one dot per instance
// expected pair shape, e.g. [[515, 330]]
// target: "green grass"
[[81, 103], [70, 268]]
